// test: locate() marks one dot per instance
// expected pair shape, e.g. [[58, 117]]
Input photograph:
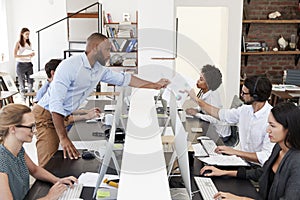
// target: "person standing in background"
[[23, 54]]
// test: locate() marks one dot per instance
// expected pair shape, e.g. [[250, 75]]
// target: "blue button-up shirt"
[[74, 81]]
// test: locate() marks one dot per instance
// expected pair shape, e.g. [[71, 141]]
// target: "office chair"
[[234, 138], [293, 77]]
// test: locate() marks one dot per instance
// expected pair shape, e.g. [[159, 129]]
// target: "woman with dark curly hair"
[[209, 81]]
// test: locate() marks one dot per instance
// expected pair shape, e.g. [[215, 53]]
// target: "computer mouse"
[[207, 172], [87, 155]]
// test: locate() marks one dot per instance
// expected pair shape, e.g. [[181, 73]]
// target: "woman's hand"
[[213, 171], [68, 180], [55, 191], [192, 94], [228, 196]]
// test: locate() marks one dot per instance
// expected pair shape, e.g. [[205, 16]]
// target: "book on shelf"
[[116, 44], [123, 46], [129, 62], [131, 45], [243, 44], [109, 18], [104, 18], [113, 47]]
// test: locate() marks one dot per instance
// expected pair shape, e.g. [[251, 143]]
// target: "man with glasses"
[[252, 120]]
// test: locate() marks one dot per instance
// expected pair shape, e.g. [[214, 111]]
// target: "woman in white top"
[[23, 53], [209, 81]]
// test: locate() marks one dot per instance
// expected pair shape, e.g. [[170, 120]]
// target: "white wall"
[[210, 31], [36, 14]]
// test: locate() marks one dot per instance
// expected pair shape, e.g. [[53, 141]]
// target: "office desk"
[[65, 167], [284, 95], [87, 131], [6, 97]]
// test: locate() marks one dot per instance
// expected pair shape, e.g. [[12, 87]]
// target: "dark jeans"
[[24, 70]]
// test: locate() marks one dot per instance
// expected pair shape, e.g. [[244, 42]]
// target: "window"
[[3, 32]]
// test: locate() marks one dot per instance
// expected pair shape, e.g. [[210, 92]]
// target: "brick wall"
[[272, 65]]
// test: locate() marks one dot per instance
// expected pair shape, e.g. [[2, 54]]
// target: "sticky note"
[[103, 193]]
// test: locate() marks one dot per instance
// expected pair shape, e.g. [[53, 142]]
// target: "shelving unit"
[[268, 21], [296, 53], [124, 39]]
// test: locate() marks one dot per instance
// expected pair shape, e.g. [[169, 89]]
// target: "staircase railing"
[[99, 12]]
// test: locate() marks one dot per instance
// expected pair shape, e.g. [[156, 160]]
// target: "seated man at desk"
[[75, 79], [209, 81], [251, 119], [77, 115], [280, 176]]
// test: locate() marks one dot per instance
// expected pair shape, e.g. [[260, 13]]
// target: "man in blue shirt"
[[74, 80], [77, 115]]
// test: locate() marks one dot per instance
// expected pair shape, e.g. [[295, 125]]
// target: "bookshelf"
[[123, 37]]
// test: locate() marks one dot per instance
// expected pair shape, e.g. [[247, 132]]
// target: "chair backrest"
[[293, 77], [236, 102], [234, 138]]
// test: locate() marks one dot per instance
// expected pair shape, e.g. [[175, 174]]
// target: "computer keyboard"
[[209, 146], [72, 193], [207, 187], [199, 150]]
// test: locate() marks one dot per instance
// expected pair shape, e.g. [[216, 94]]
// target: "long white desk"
[[143, 171]]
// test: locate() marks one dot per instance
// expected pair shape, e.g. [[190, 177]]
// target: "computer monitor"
[[173, 110], [109, 154], [180, 146]]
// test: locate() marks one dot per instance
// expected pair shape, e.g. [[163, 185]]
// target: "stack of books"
[[253, 46], [125, 30]]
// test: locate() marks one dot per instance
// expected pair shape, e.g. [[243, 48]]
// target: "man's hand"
[[92, 113], [226, 150], [69, 148], [162, 83]]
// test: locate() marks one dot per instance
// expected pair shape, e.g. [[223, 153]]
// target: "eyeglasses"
[[244, 93], [23, 126]]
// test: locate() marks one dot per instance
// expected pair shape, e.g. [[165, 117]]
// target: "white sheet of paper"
[[178, 85], [222, 160]]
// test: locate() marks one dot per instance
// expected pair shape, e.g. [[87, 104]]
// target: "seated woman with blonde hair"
[[17, 125], [279, 178]]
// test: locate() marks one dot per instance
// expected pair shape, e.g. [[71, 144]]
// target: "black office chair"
[[293, 77], [234, 139]]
